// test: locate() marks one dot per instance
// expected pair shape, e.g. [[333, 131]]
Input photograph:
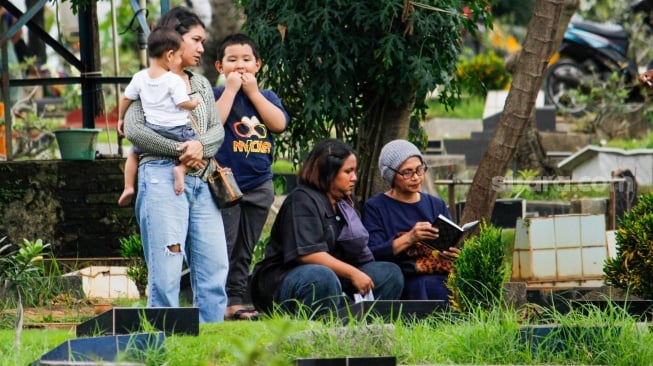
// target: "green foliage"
[[21, 268], [602, 98], [632, 268], [517, 12], [282, 166], [341, 66], [644, 142], [602, 10], [127, 30], [483, 72], [20, 271], [480, 271], [259, 249], [131, 248]]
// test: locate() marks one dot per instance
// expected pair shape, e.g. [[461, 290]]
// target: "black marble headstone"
[[130, 320]]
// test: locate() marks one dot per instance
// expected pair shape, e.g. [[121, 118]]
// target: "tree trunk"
[[517, 111], [530, 153], [18, 336], [385, 123], [226, 19]]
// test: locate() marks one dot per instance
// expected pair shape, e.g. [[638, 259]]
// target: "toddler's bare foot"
[[126, 196], [179, 179]]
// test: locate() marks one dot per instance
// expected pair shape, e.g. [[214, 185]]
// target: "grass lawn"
[[468, 108], [480, 337]]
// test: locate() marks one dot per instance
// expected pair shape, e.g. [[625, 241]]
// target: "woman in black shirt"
[[318, 245]]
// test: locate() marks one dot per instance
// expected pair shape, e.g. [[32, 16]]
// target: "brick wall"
[[69, 204]]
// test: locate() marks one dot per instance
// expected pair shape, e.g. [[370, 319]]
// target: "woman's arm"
[[212, 134], [145, 138], [359, 279], [380, 241], [386, 239]]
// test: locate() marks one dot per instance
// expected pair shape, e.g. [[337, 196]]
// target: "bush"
[[131, 248], [480, 271], [483, 72], [632, 268]]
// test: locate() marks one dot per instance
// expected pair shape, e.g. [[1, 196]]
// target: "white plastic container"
[[107, 282], [560, 250]]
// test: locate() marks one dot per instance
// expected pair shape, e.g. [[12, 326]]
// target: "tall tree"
[[537, 47], [358, 69], [530, 152]]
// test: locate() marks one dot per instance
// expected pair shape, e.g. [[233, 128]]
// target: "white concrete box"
[[107, 282], [560, 250]]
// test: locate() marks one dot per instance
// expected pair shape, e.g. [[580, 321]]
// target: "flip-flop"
[[244, 314]]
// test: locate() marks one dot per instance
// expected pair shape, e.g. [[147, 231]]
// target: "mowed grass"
[[470, 107]]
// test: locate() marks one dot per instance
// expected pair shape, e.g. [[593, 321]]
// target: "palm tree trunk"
[[519, 106]]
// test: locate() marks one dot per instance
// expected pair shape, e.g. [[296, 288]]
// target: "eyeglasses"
[[408, 173]]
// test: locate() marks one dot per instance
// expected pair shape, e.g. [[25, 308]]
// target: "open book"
[[450, 233]]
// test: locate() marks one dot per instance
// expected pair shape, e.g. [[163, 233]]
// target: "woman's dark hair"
[[181, 19], [323, 163]]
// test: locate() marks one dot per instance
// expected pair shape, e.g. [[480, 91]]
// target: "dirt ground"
[[58, 315]]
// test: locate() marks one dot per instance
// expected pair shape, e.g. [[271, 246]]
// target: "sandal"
[[244, 314]]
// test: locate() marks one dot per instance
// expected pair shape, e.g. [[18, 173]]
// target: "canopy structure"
[[90, 79]]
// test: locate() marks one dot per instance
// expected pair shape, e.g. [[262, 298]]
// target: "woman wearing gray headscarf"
[[399, 219]]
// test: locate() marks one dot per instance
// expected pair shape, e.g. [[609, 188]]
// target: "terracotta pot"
[[3, 145], [101, 308]]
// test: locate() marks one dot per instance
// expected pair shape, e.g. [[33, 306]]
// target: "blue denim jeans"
[[317, 290], [181, 227]]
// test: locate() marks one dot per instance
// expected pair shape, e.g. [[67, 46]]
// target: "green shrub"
[[483, 72], [632, 268], [480, 271], [131, 247]]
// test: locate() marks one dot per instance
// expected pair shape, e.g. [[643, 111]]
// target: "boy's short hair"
[[162, 40], [238, 38]]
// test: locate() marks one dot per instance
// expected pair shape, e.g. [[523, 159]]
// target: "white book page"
[[445, 219], [470, 225]]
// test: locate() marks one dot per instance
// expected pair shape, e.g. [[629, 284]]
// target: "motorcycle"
[[591, 51]]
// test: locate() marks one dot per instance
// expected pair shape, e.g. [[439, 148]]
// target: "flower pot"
[[101, 308], [77, 143], [3, 144]]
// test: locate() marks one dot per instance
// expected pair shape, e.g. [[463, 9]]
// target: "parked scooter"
[[591, 51]]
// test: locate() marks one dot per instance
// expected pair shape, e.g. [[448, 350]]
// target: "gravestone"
[[104, 350], [129, 320]]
